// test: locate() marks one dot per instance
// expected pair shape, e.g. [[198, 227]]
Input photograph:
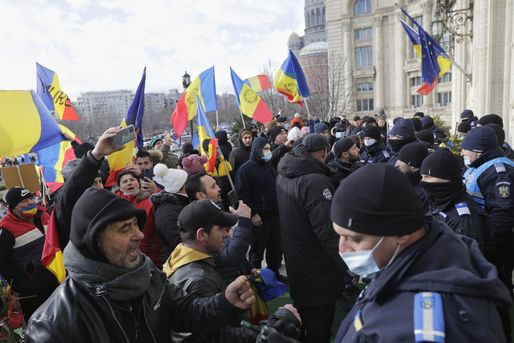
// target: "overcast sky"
[[104, 45]]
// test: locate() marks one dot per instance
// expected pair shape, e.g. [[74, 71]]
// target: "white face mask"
[[267, 156], [467, 161], [369, 141], [339, 135], [361, 262]]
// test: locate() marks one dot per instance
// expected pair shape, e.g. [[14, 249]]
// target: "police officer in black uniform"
[[374, 147], [401, 134]]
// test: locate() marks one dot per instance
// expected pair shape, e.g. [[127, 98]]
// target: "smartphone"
[[125, 135], [233, 199], [147, 173]]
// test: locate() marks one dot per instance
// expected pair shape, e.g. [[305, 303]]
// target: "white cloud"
[[103, 45]]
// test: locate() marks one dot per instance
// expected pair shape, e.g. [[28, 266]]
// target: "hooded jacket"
[[166, 208], [241, 154], [223, 143], [441, 262], [255, 181], [304, 194]]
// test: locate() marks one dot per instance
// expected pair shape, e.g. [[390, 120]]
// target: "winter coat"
[[223, 143], [441, 262], [304, 193], [342, 169], [241, 154], [166, 208], [377, 153]]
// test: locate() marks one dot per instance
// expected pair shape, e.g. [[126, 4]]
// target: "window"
[[416, 100], [363, 57], [364, 105], [444, 98], [363, 34], [446, 78], [362, 7], [415, 81], [365, 87]]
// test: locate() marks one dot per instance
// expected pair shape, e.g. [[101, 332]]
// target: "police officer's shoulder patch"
[[327, 194], [428, 317], [462, 209], [503, 189]]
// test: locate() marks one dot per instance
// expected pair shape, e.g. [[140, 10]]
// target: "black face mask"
[[414, 177], [396, 144], [442, 193]]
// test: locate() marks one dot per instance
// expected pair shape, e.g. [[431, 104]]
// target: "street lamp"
[[186, 80]]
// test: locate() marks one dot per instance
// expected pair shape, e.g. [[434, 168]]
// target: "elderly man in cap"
[[315, 271], [192, 267], [426, 284], [114, 293]]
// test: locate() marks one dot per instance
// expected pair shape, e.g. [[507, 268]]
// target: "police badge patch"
[[327, 194], [503, 189]]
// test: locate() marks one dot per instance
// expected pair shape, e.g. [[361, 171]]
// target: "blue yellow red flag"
[[203, 87], [203, 126], [49, 89], [258, 83], [251, 104], [290, 80], [51, 256], [26, 125]]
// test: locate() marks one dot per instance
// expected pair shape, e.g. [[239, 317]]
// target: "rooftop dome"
[[293, 38], [314, 48]]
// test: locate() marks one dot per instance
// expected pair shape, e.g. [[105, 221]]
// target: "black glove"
[[283, 326]]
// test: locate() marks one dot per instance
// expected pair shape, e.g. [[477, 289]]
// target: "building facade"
[[385, 71]]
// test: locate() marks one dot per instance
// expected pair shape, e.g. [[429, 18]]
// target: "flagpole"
[[217, 121], [242, 118], [307, 107]]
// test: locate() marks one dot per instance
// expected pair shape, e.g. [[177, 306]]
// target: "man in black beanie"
[[423, 277], [469, 117], [114, 293], [500, 134], [489, 180], [428, 124], [315, 271], [409, 163], [402, 133], [279, 145], [346, 154], [426, 137], [374, 147]]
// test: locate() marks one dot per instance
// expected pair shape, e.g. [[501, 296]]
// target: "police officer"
[[402, 133], [427, 283], [449, 202], [409, 163], [374, 147], [428, 124], [488, 180]]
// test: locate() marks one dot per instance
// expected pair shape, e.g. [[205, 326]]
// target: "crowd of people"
[[414, 228]]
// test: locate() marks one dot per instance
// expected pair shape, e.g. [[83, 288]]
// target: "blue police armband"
[[462, 209], [428, 317]]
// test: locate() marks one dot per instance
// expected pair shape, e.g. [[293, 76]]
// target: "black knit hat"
[[464, 127], [342, 145], [418, 126], [372, 131], [377, 200], [315, 142], [425, 136], [467, 114], [81, 149], [274, 131], [491, 119], [418, 115], [482, 138], [94, 210], [500, 134], [413, 154], [427, 122], [403, 128], [442, 164], [15, 195]]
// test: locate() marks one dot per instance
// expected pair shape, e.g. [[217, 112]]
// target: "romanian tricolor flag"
[[204, 127], [55, 157], [55, 99], [290, 80], [213, 152], [258, 83], [434, 60], [51, 257], [120, 159], [203, 87], [250, 103], [26, 125]]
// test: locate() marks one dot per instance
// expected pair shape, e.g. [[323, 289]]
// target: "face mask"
[[286, 126], [440, 193], [396, 144], [29, 211], [267, 156], [339, 135], [369, 142], [467, 161], [361, 262]]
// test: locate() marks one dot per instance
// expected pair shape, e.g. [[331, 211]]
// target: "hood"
[[257, 146], [298, 162], [467, 273], [222, 136], [403, 128], [164, 197], [181, 256], [240, 139]]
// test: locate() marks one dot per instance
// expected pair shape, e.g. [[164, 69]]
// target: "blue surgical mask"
[[339, 135], [369, 141], [361, 262], [467, 161], [267, 156]]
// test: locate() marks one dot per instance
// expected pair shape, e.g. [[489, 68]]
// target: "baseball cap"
[[203, 213]]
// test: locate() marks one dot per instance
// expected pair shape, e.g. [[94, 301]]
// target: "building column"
[[508, 114], [378, 61], [400, 102], [348, 65]]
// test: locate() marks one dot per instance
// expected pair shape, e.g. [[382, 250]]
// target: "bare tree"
[[341, 92]]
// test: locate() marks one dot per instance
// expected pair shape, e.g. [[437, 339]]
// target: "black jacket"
[[223, 143], [241, 154], [342, 170], [78, 312], [166, 208], [377, 153], [441, 262], [255, 182], [304, 192]]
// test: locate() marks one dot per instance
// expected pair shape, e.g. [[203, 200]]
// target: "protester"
[[323, 129], [241, 154], [164, 146], [315, 271], [346, 156], [194, 163], [221, 173], [145, 164], [355, 126], [114, 293], [223, 143], [427, 283]]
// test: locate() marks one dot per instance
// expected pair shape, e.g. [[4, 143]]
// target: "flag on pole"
[[290, 80], [434, 60], [120, 159], [213, 154], [49, 89], [202, 87], [51, 256], [203, 125], [258, 83], [26, 125], [251, 104]]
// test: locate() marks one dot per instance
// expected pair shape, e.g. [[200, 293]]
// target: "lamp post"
[[186, 81]]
